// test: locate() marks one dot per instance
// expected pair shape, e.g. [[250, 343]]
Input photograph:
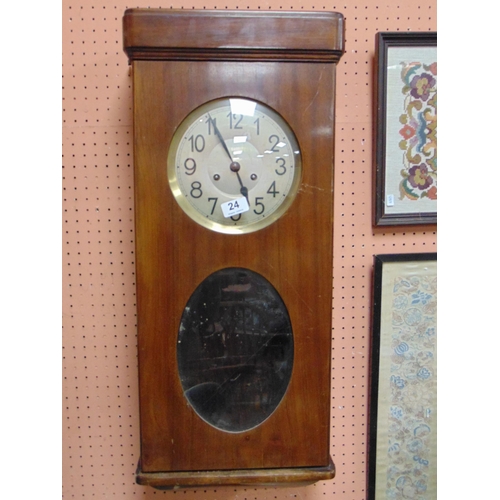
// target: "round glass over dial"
[[234, 165]]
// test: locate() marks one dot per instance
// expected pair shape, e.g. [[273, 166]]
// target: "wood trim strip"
[[229, 35], [247, 477]]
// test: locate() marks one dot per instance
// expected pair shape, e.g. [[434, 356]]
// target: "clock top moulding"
[[268, 55], [158, 34]]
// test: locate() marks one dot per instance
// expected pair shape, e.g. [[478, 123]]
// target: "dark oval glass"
[[235, 349]]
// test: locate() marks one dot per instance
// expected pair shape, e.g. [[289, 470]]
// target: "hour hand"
[[235, 167], [243, 189]]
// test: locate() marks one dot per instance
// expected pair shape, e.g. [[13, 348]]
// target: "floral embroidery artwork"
[[412, 375], [418, 132], [410, 149]]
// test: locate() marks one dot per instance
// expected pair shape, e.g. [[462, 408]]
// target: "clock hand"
[[234, 166], [218, 134], [243, 190]]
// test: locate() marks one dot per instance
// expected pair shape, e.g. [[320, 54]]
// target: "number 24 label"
[[234, 207]]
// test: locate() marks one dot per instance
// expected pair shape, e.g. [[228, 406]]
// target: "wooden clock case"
[[181, 59]]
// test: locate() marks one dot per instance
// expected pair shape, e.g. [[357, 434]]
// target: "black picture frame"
[[391, 416]]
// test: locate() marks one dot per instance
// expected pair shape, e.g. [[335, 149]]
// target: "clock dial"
[[234, 165]]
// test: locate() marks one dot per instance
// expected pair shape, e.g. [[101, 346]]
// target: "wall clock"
[[233, 162]]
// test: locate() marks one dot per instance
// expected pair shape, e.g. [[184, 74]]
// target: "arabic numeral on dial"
[[274, 140], [258, 203], [196, 191], [214, 205], [197, 143], [212, 123], [281, 166], [234, 122], [272, 189], [190, 166]]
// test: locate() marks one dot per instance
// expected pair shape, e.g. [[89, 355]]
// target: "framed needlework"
[[406, 129], [403, 397]]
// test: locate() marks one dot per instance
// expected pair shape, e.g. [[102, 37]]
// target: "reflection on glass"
[[242, 107], [235, 349]]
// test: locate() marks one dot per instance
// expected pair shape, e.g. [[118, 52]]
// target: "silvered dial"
[[234, 165]]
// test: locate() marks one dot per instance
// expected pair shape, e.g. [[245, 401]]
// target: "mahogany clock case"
[[181, 60]]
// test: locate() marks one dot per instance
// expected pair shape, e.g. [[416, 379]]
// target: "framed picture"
[[406, 129], [403, 400]]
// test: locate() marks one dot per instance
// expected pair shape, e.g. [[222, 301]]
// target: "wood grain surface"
[[174, 254]]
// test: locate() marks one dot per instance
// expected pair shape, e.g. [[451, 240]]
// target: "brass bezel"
[[190, 210]]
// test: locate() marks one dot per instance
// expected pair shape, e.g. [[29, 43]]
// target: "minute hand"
[[218, 134]]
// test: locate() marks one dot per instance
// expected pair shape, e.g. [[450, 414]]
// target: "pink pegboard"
[[100, 399]]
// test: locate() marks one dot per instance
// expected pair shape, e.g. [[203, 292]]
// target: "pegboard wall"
[[100, 389]]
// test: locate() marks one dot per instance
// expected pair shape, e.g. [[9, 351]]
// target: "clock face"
[[234, 165]]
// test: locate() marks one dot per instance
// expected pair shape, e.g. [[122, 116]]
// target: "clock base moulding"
[[299, 476]]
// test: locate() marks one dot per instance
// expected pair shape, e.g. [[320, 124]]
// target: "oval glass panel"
[[235, 349]]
